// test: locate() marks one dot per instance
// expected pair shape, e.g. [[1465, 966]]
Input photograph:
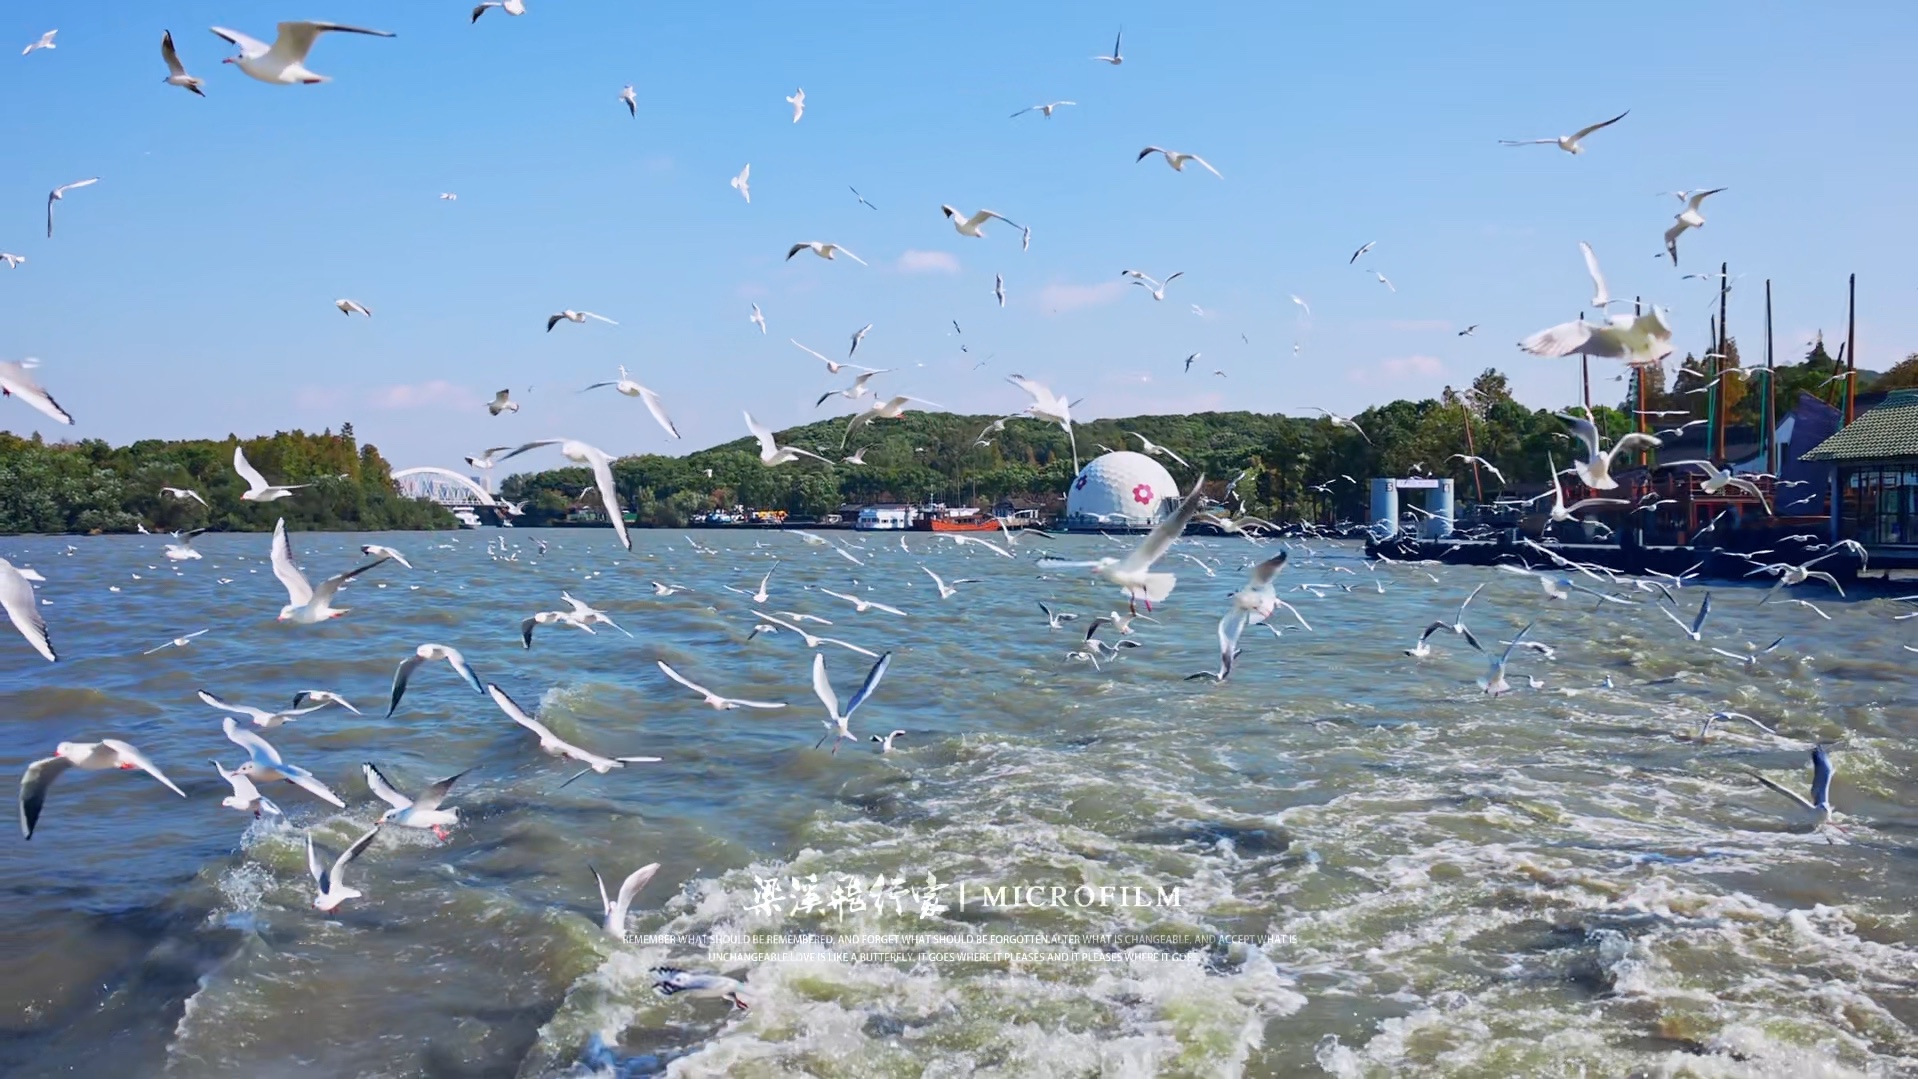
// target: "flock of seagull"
[[1136, 573]]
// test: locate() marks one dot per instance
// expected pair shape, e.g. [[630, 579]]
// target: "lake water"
[[1377, 869]]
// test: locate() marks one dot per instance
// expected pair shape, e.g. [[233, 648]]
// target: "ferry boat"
[[979, 523]]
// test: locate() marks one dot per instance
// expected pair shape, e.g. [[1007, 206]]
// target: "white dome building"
[[1121, 490]]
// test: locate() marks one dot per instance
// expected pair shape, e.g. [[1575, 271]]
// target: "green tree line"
[[90, 486]]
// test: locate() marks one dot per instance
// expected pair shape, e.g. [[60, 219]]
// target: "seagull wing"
[[23, 610], [616, 911], [658, 408], [383, 790], [130, 755], [763, 433], [1584, 131], [251, 48], [434, 794], [400, 676], [1600, 294], [1161, 537], [299, 593], [871, 683], [15, 379], [684, 681], [1263, 573], [1208, 168], [34, 784], [1793, 795], [1561, 340], [1704, 609], [822, 686], [257, 748], [247, 472], [296, 39], [349, 854], [1821, 773], [331, 586], [517, 714], [609, 497]]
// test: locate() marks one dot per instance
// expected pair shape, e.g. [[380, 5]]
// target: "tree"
[[1902, 376]]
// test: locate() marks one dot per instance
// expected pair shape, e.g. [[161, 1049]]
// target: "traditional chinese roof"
[[1888, 431]]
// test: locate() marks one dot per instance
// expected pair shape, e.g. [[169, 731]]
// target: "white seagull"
[[323, 696], [60, 193], [1560, 511], [45, 42], [571, 315], [719, 703], [1596, 470], [1718, 480], [861, 604], [742, 183], [330, 881], [180, 642], [1494, 682], [23, 610], [1115, 59], [1046, 108], [836, 726], [1696, 631], [589, 614], [548, 618], [245, 797], [975, 225], [1688, 218], [181, 550], [185, 494], [630, 99], [1645, 339], [671, 981], [833, 366], [1133, 573], [1153, 449], [1818, 806], [758, 319], [260, 716], [813, 641], [654, 405], [851, 393], [602, 465], [12, 260], [614, 909], [88, 756], [502, 402], [555, 746], [421, 812], [1568, 143], [1340, 421], [947, 591], [264, 763], [890, 409], [380, 550], [257, 489], [771, 453], [1150, 284], [1177, 159], [1050, 407], [999, 288], [284, 61], [349, 307], [425, 653], [823, 250], [306, 604], [176, 71], [798, 102]]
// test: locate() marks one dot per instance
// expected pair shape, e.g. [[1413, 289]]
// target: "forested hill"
[[90, 486]]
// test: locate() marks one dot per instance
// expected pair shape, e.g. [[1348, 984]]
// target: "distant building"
[[894, 517], [1873, 477]]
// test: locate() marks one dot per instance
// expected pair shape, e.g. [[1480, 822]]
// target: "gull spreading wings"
[[1642, 340], [602, 465], [16, 381], [1177, 159], [1569, 143], [59, 193]]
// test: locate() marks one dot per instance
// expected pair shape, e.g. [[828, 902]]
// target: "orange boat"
[[981, 523]]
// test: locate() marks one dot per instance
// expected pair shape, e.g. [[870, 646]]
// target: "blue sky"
[[190, 292]]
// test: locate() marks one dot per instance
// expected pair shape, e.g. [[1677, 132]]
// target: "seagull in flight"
[[1155, 287], [265, 764], [1560, 511], [1482, 463], [999, 288], [1688, 218], [630, 388], [1115, 59], [798, 102], [836, 725], [630, 100], [575, 316], [260, 716], [602, 465], [107, 753], [974, 225], [23, 609], [1303, 304], [284, 62], [861, 198], [421, 812], [257, 489], [1341, 421], [615, 908], [1383, 280], [1046, 108], [770, 453], [833, 367], [1133, 573], [1818, 806], [330, 880], [824, 250], [1457, 625], [1469, 330], [1151, 448], [423, 654], [1643, 340], [851, 393], [349, 307], [1571, 144], [1362, 250], [1050, 407], [176, 72], [502, 402], [60, 193], [1494, 682], [45, 42], [1177, 159], [742, 183], [1596, 470], [862, 605], [553, 745], [858, 337], [245, 797], [1717, 480], [306, 604], [179, 642], [758, 319], [1696, 631], [723, 704]]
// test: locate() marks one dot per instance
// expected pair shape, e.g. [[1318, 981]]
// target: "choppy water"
[[1562, 881]]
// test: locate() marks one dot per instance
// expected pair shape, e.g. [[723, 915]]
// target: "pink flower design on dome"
[[1142, 494]]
